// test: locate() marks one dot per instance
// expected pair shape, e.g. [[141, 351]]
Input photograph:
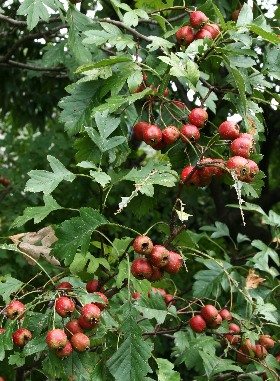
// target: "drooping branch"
[[20, 23]]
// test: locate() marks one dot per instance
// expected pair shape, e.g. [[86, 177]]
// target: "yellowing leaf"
[[253, 280]]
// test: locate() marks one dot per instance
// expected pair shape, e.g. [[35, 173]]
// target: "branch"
[[131, 30], [31, 67], [234, 376], [24, 23]]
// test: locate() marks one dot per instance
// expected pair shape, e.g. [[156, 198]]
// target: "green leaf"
[[130, 361], [34, 10], [272, 219], [166, 372], [103, 63], [8, 286], [261, 259], [75, 233], [38, 213], [17, 359], [214, 365], [101, 178], [268, 36], [220, 230], [245, 16], [36, 345], [241, 87], [265, 310], [152, 307], [45, 181], [159, 43]]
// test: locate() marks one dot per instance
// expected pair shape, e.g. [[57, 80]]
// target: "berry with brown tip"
[[197, 323], [198, 117], [209, 312], [80, 342], [86, 324], [102, 304], [174, 264], [185, 35], [242, 147], [189, 133], [139, 128], [159, 256], [15, 309], [64, 306], [143, 245], [214, 29], [198, 19], [141, 268], [152, 135], [228, 130], [190, 176], [253, 170], [56, 339], [21, 337], [240, 166], [91, 313], [73, 327], [170, 134], [64, 352]]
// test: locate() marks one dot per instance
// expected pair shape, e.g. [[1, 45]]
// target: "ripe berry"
[[73, 327], [159, 256], [219, 167], [225, 314], [207, 171], [64, 306], [86, 324], [253, 170], [174, 264], [157, 274], [242, 357], [80, 342], [247, 347], [197, 323], [143, 245], [157, 290], [21, 337], [215, 323], [5, 182], [198, 116], [247, 136], [64, 352], [152, 135], [91, 313], [141, 268], [198, 19], [93, 286], [168, 298], [203, 33], [266, 341], [242, 147], [189, 133], [214, 29], [15, 309], [239, 165], [179, 104], [66, 286], [190, 177], [2, 330], [138, 129], [136, 295], [102, 304], [56, 339], [2, 379], [228, 130], [170, 134], [260, 352], [235, 13], [209, 312], [185, 35], [233, 328], [159, 146]]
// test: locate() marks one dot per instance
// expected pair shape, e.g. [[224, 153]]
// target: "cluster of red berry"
[[158, 260], [5, 182], [210, 317], [73, 336], [168, 298], [199, 21]]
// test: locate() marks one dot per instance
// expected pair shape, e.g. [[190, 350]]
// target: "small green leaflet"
[[38, 213], [265, 310], [8, 286], [261, 258], [130, 361], [271, 37], [106, 62], [131, 17], [159, 43], [75, 233], [166, 372], [101, 178], [220, 230], [89, 262], [35, 10], [241, 87], [245, 16], [45, 181], [152, 307], [214, 365]]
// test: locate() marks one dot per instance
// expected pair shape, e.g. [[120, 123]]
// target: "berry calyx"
[[198, 19], [197, 323], [198, 117], [80, 342], [159, 256], [15, 309], [152, 135], [64, 352], [21, 337], [56, 339], [185, 35], [141, 268], [143, 245], [86, 324], [64, 306]]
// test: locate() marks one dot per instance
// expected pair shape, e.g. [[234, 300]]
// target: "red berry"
[[159, 256], [253, 170], [56, 339], [247, 136], [203, 33], [73, 327], [207, 171], [5, 182], [80, 342], [152, 135], [215, 323], [138, 130], [21, 337], [225, 314], [266, 341], [189, 133], [242, 357], [197, 323], [136, 295], [168, 298], [190, 177], [198, 117], [239, 165], [159, 146], [15, 309], [185, 35], [141, 268], [198, 19], [179, 104], [209, 312], [165, 93], [102, 304], [157, 274], [66, 286], [174, 264], [91, 313], [170, 134], [242, 147], [235, 13], [86, 324], [214, 29], [228, 130], [64, 306], [2, 379], [64, 352], [260, 352], [92, 286], [143, 245], [233, 328], [157, 290], [247, 347], [2, 330]]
